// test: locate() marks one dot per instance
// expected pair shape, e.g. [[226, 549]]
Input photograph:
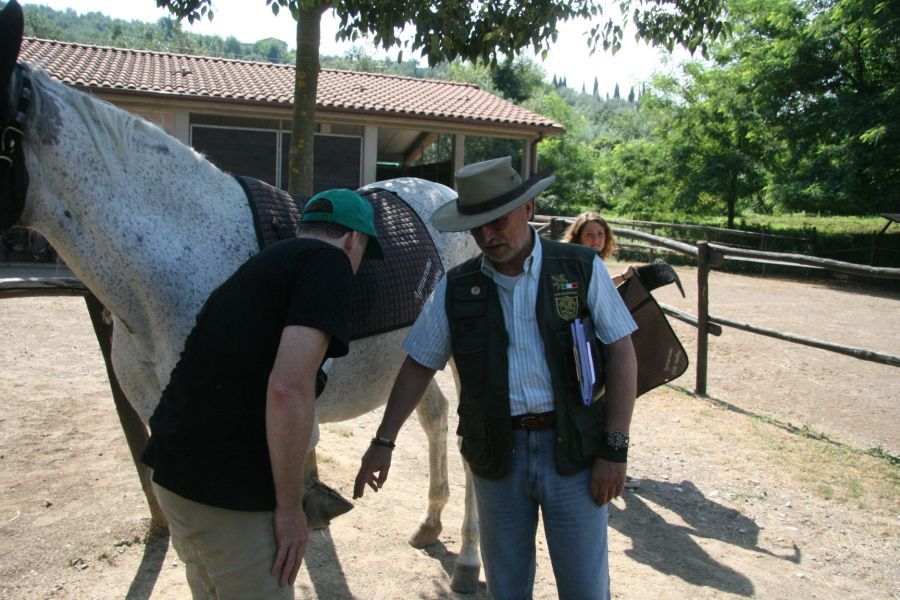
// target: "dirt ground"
[[768, 488]]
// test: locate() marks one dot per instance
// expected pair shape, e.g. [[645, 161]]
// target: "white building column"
[[459, 152], [370, 154], [526, 158], [182, 130]]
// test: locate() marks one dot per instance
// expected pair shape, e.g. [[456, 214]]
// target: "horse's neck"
[[148, 225]]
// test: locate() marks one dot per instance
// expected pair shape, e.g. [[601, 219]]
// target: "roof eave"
[[545, 130]]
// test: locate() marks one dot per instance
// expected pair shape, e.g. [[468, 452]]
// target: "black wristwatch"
[[617, 440], [615, 447]]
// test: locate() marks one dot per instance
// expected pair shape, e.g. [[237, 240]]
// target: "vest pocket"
[[466, 317], [475, 445], [467, 337], [587, 431], [564, 349]]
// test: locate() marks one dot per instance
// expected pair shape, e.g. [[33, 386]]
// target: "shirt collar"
[[532, 263]]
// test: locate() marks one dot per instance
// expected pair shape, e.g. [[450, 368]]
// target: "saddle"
[[387, 294], [660, 356]]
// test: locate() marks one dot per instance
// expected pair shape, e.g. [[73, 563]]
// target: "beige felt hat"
[[487, 190]]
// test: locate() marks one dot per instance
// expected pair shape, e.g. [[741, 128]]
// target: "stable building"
[[369, 126]]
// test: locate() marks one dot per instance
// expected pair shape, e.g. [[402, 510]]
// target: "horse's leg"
[[132, 426], [432, 411], [468, 562]]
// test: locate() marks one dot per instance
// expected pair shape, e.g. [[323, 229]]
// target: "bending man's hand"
[[291, 535], [377, 459], [607, 480]]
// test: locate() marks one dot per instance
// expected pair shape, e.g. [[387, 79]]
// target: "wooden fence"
[[711, 255]]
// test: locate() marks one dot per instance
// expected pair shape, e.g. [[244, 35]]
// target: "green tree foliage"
[[571, 155], [517, 80], [165, 35], [798, 112], [827, 81]]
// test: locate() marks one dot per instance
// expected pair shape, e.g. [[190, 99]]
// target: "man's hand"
[[377, 459], [291, 535], [607, 480]]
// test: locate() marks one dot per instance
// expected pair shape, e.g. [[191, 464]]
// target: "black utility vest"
[[479, 342]]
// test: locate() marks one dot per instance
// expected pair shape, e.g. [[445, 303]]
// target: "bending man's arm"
[[290, 408], [608, 478], [409, 386]]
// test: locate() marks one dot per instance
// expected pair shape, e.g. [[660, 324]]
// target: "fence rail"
[[710, 255], [652, 225]]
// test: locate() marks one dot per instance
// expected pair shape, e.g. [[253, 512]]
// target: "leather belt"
[[532, 422]]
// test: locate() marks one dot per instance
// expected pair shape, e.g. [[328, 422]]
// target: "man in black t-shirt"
[[233, 427]]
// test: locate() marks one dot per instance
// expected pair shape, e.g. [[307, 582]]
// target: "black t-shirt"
[[208, 441]]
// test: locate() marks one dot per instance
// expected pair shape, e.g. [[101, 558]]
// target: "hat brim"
[[448, 218]]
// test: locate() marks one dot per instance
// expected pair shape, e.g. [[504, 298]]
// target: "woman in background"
[[590, 229]]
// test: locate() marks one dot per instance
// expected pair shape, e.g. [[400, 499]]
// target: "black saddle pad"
[[387, 294]]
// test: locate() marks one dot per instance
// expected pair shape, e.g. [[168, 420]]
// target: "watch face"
[[617, 440]]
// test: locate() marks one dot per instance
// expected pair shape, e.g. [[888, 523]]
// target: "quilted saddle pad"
[[387, 294]]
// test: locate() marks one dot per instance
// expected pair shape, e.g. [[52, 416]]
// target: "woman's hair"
[[573, 233]]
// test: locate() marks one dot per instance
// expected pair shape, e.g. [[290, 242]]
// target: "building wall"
[[180, 118]]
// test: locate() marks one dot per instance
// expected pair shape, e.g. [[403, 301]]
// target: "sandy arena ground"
[[765, 489]]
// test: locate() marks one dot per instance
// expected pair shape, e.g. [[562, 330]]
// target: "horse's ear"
[[12, 27]]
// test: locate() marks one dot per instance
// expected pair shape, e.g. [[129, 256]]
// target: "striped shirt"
[[530, 391]]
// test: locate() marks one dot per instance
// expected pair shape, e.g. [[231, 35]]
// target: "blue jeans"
[[573, 523]]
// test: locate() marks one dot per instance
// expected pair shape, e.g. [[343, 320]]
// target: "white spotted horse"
[[151, 228]]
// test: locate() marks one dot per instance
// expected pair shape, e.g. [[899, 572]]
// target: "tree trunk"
[[731, 199], [303, 128]]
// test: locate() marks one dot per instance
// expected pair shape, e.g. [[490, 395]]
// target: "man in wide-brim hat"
[[531, 439]]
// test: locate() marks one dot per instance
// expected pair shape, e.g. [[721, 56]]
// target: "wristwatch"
[[617, 440]]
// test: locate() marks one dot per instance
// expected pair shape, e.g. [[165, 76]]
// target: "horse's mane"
[[110, 127], [102, 119]]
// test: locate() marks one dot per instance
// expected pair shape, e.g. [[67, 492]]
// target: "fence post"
[[557, 228], [703, 263]]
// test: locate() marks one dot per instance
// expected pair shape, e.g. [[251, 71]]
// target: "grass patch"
[[825, 467], [338, 430]]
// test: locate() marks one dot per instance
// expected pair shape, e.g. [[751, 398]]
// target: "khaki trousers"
[[227, 554]]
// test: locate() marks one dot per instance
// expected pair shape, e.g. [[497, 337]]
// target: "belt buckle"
[[530, 422]]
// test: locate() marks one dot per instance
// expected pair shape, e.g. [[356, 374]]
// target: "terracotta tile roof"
[[111, 69]]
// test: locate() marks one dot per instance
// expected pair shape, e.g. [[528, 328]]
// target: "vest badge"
[[566, 297], [560, 283]]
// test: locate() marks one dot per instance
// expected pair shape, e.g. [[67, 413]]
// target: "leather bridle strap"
[[13, 175]]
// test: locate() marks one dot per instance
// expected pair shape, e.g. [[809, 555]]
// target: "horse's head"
[[15, 96]]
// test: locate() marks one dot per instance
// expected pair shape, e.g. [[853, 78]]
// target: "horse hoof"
[[424, 535], [322, 504], [465, 579]]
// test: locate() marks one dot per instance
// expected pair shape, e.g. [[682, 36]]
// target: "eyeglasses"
[[497, 224]]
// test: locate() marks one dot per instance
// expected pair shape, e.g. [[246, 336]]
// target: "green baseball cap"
[[349, 209]]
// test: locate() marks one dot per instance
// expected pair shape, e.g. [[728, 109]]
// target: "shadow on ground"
[[653, 537], [155, 549]]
